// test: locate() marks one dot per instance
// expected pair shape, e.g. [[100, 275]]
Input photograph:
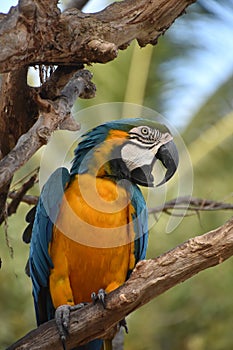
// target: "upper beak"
[[169, 157]]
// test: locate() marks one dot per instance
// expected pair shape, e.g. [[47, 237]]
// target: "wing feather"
[[140, 222], [39, 260]]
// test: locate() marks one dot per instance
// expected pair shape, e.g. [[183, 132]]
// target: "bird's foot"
[[123, 324], [62, 318], [101, 295]]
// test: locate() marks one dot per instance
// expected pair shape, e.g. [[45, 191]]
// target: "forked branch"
[[53, 115], [36, 32]]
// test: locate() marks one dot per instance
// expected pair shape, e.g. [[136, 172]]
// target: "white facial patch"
[[135, 156], [138, 152]]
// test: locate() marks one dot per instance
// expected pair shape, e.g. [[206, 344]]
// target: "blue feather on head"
[[97, 135]]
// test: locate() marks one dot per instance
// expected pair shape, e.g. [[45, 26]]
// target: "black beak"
[[169, 157], [142, 176]]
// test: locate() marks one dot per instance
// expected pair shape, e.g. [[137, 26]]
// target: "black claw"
[[101, 295], [94, 297], [63, 340], [123, 323]]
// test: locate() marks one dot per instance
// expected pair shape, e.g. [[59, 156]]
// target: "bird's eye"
[[144, 131]]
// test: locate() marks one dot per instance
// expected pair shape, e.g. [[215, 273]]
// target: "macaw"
[[91, 223]]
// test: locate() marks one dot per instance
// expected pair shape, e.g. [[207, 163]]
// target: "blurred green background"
[[187, 78]]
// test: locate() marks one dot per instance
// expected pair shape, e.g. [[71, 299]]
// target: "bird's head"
[[127, 149]]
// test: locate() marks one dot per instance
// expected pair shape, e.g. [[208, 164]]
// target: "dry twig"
[[17, 197], [190, 204]]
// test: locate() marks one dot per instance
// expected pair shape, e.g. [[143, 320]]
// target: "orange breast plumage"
[[93, 240]]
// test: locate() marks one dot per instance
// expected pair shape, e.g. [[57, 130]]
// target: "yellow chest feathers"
[[96, 212], [93, 240]]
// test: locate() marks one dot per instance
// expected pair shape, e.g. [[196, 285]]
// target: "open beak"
[[169, 157]]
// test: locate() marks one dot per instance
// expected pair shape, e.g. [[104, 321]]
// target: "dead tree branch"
[[19, 109], [53, 115], [17, 198], [28, 199], [191, 204], [36, 32], [17, 114], [149, 279]]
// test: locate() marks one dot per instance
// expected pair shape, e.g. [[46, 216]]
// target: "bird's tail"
[[97, 344], [107, 344]]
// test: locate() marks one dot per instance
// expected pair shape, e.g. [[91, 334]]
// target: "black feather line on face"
[[144, 140], [118, 168]]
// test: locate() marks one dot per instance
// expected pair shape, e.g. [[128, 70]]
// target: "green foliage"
[[16, 305]]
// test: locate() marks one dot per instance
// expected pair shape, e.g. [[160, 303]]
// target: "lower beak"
[[142, 176]]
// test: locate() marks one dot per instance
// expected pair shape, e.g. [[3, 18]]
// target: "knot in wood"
[[123, 298], [167, 259], [44, 133], [27, 9], [70, 124], [104, 50], [197, 244]]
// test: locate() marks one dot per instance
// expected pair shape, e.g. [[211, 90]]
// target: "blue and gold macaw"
[[91, 226]]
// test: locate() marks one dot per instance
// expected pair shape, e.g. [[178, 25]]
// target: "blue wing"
[[39, 260], [140, 222]]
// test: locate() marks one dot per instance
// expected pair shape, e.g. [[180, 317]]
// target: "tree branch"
[[190, 204], [149, 279], [17, 115], [53, 86], [53, 115], [17, 197], [28, 199], [19, 109], [35, 32]]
